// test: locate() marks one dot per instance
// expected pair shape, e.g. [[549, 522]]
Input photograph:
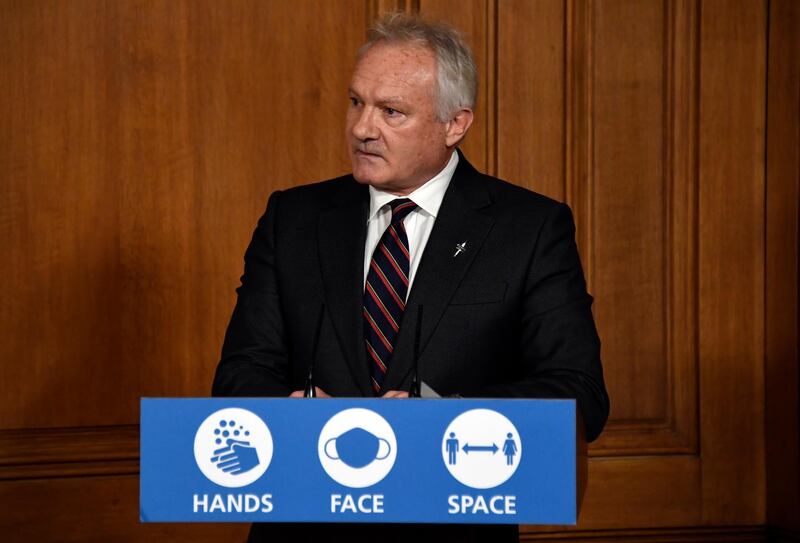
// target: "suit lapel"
[[342, 234], [462, 218]]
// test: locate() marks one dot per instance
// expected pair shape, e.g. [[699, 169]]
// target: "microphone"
[[310, 390], [414, 391]]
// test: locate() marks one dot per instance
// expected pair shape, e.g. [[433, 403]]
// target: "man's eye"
[[353, 101], [391, 111]]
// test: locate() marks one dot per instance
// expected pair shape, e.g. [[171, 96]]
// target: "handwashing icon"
[[357, 448]]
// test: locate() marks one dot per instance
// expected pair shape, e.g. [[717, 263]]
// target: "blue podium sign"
[[358, 460]]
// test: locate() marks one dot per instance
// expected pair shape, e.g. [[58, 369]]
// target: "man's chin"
[[367, 177]]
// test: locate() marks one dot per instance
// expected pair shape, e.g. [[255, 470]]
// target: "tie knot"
[[401, 208]]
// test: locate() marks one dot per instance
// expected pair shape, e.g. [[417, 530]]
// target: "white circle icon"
[[357, 448], [233, 447], [481, 448]]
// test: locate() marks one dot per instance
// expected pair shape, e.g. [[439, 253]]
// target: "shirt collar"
[[428, 197]]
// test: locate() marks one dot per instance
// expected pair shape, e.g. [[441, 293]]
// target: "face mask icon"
[[357, 448]]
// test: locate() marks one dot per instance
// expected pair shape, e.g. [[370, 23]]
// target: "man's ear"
[[456, 128]]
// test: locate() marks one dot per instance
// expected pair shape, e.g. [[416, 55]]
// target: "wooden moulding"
[[69, 452], [733, 534]]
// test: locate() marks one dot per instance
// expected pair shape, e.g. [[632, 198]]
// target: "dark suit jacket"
[[509, 317]]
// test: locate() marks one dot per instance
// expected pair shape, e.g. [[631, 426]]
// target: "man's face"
[[395, 140]]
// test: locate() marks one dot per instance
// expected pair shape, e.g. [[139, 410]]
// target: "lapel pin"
[[460, 248]]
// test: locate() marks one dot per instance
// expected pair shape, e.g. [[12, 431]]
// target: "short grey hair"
[[456, 77]]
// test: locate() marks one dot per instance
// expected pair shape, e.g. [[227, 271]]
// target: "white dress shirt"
[[418, 223]]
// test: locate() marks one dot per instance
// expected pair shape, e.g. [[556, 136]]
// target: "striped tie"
[[385, 291]]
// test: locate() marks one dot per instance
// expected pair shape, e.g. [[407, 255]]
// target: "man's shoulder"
[[506, 190], [322, 193], [520, 201], [510, 196]]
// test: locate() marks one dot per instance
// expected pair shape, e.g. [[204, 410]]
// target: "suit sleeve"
[[254, 355], [559, 345]]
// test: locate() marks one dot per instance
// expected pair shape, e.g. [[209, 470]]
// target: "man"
[[494, 267]]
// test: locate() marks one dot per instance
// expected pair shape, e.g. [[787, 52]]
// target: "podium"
[[361, 460]]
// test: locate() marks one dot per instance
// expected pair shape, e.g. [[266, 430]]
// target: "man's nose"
[[364, 127]]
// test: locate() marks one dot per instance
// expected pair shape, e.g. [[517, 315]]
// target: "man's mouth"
[[367, 154]]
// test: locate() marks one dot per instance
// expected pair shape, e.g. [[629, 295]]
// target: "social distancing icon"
[[481, 448]]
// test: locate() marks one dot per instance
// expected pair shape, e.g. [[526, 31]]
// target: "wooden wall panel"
[[609, 119], [141, 142], [641, 234], [240, 88], [475, 18], [530, 80], [633, 174], [628, 223], [731, 259], [783, 269], [59, 210]]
